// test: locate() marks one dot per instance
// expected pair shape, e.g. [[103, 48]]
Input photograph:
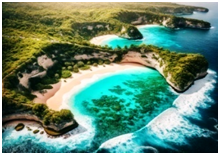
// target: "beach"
[[54, 98], [98, 40]]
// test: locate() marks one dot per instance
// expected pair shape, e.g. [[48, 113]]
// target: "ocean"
[[135, 110]]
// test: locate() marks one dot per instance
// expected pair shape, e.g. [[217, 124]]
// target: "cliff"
[[52, 129], [131, 33], [181, 79], [148, 17], [179, 22]]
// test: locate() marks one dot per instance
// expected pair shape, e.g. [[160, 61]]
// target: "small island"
[[40, 49]]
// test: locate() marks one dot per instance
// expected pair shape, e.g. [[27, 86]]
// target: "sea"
[[135, 110]]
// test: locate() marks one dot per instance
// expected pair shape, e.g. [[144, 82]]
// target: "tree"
[[40, 109], [65, 114], [46, 119]]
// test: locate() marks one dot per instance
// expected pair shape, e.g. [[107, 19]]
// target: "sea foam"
[[172, 127]]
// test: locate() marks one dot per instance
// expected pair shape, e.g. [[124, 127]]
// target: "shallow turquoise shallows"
[[123, 102]]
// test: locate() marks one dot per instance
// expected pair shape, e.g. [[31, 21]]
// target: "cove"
[[122, 102]]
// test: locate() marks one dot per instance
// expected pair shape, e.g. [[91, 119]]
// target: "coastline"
[[146, 25], [56, 102], [98, 40], [43, 97]]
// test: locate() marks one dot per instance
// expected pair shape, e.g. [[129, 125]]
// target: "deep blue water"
[[177, 123], [182, 40], [192, 120]]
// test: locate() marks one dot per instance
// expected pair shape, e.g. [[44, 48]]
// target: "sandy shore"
[[43, 97], [54, 97], [98, 40]]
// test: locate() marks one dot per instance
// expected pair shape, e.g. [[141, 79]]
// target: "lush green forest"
[[28, 27], [61, 31]]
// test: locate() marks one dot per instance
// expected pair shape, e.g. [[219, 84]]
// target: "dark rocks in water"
[[102, 150], [42, 132], [29, 129], [19, 126], [36, 131]]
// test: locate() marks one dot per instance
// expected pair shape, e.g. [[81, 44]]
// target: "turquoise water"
[[191, 124], [175, 123], [119, 103], [123, 102]]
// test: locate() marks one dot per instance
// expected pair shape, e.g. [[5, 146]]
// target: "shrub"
[[67, 63], [85, 67], [80, 64], [88, 63], [95, 64], [107, 61], [70, 68], [66, 114], [66, 74], [46, 119], [75, 66], [100, 62], [76, 70]]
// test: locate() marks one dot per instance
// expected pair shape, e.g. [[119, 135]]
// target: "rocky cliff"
[[153, 60], [52, 129], [131, 33]]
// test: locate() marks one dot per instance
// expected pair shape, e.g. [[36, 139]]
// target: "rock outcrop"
[[152, 60], [131, 33], [52, 129]]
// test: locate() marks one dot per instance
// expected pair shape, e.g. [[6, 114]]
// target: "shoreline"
[[100, 39], [147, 25], [43, 97], [79, 81]]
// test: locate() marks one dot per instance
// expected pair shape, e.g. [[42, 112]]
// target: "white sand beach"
[[54, 97], [98, 40]]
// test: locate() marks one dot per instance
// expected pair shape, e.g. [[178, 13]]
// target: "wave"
[[172, 128]]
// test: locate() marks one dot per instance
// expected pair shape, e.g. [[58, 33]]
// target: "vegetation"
[[85, 67], [116, 115], [51, 116], [66, 74], [182, 68]]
